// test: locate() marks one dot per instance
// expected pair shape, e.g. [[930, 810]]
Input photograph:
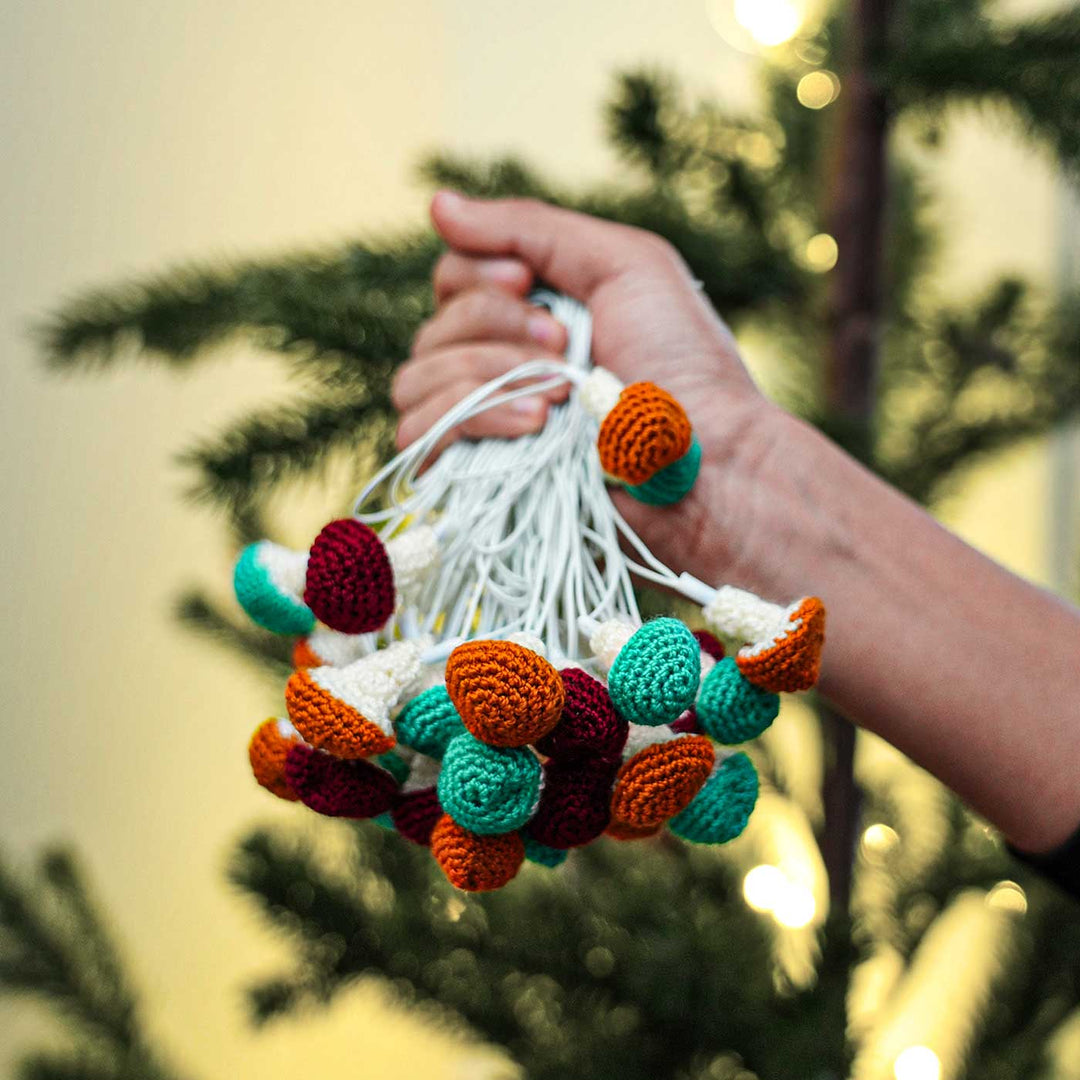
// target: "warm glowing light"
[[1007, 896], [763, 886], [917, 1063], [770, 22], [821, 255], [818, 89], [795, 907], [878, 838]]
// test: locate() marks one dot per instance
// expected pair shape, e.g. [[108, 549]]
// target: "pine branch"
[[356, 303], [269, 652], [271, 447], [1028, 67], [54, 948]]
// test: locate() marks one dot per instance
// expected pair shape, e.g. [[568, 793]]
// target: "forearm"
[[969, 670]]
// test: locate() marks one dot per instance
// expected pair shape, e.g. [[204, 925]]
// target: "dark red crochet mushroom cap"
[[337, 788], [575, 803], [710, 644], [416, 814], [687, 724], [589, 722], [350, 582]]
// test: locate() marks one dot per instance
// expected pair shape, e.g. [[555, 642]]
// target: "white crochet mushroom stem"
[[336, 649], [412, 556], [373, 684], [642, 736], [423, 773], [286, 568], [606, 639], [739, 615], [528, 641], [599, 393]]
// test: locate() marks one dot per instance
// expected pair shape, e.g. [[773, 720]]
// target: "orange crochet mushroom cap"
[[619, 830], [794, 662], [645, 432], [660, 780], [267, 752], [476, 863], [506, 694], [327, 723], [303, 656]]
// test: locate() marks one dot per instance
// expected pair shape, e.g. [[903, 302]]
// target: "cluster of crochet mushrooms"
[[491, 755]]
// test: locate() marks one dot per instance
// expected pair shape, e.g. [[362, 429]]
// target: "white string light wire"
[[529, 539]]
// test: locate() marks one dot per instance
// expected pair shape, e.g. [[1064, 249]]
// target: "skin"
[[971, 671]]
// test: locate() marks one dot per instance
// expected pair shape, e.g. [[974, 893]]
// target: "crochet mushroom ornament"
[[473, 671], [349, 580], [346, 711], [781, 646], [645, 439]]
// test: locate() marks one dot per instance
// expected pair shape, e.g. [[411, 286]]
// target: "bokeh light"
[[762, 887], [795, 907], [879, 839], [821, 254], [818, 89], [752, 25], [917, 1063], [1007, 896]]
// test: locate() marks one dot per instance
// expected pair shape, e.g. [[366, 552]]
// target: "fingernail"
[[543, 329], [530, 407]]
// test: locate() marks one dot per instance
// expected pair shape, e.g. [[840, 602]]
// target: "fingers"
[[486, 314], [454, 273], [473, 364], [522, 416], [572, 252]]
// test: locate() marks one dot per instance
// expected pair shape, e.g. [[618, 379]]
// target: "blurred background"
[[140, 138]]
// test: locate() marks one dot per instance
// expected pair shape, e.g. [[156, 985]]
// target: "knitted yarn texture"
[[489, 789], [428, 722], [350, 581], [721, 810], [268, 581], [337, 788], [656, 674], [472, 862], [645, 432], [732, 709], [505, 694], [589, 722], [267, 751], [660, 780]]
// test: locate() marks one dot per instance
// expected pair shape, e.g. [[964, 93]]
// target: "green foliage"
[[657, 977], [54, 948]]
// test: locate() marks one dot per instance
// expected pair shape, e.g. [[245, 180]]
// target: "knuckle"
[[398, 385]]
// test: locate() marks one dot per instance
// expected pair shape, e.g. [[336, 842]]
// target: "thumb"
[[571, 252]]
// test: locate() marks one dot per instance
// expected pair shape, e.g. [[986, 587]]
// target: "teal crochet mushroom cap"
[[260, 587], [429, 722], [489, 789], [385, 821], [672, 483], [656, 675], [395, 765], [541, 854], [720, 810], [732, 709]]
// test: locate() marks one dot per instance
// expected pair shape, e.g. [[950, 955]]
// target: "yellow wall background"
[[138, 134]]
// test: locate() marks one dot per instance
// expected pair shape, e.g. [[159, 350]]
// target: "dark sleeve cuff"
[[1061, 866]]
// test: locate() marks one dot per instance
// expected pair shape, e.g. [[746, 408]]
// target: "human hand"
[[650, 322]]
